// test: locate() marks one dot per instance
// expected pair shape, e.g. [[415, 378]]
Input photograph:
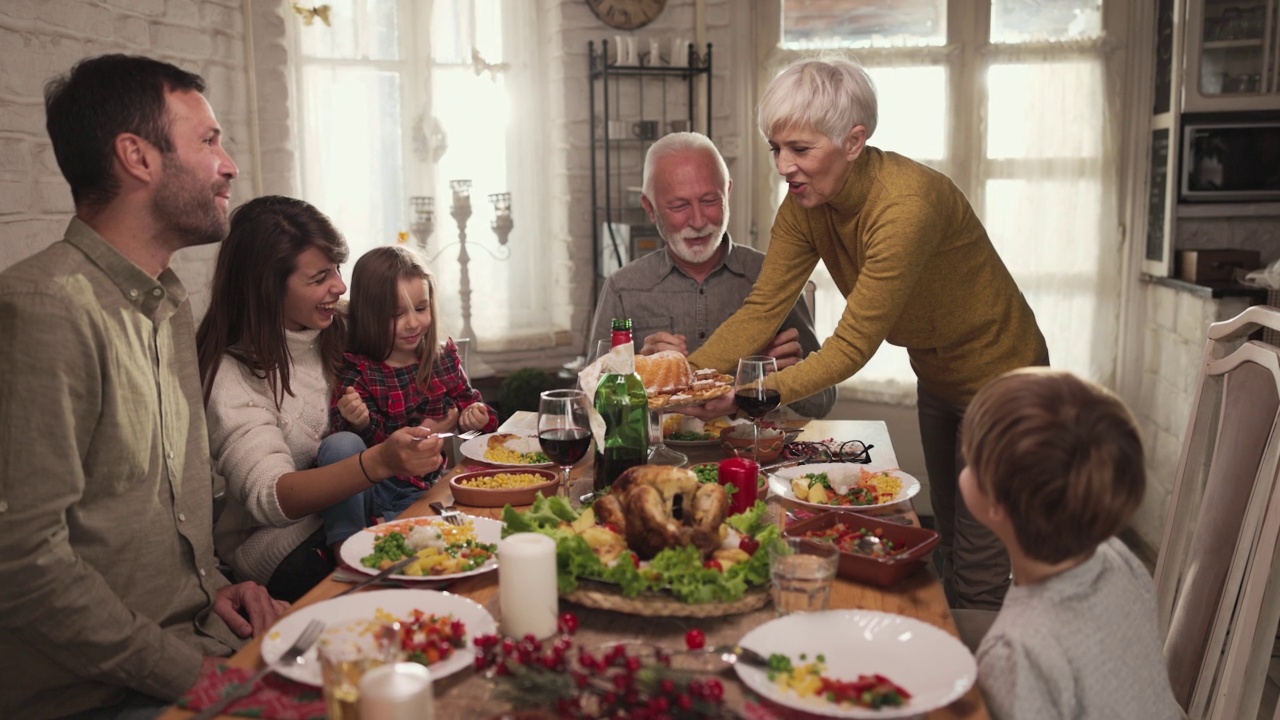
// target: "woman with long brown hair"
[[270, 349]]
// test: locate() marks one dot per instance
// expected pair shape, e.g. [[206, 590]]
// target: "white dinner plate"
[[359, 607], [476, 447], [780, 483], [360, 545], [924, 660]]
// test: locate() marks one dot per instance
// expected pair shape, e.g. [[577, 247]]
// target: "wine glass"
[[659, 453], [752, 396], [564, 429]]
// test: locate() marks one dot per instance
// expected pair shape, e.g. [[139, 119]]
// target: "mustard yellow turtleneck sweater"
[[918, 270]]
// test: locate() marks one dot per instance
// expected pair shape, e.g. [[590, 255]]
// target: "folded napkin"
[[273, 697]]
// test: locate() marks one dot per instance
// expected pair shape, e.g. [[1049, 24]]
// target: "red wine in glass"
[[757, 402], [752, 396], [562, 429], [565, 446]]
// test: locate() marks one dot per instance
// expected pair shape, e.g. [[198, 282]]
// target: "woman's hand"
[[408, 451], [448, 423], [352, 409], [475, 417]]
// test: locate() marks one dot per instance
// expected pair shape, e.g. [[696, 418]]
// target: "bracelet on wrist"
[[360, 459]]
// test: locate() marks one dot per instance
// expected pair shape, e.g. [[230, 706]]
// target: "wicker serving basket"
[[605, 596]]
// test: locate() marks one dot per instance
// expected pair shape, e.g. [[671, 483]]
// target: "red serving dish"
[[917, 544], [498, 497]]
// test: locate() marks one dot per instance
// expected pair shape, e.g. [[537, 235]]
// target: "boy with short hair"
[[1054, 466]]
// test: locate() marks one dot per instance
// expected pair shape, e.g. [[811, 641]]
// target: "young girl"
[[397, 374], [270, 347]]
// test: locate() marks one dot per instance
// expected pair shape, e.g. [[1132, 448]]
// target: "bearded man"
[[111, 599], [677, 296]]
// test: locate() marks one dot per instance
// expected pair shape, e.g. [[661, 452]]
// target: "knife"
[[783, 464], [399, 565]]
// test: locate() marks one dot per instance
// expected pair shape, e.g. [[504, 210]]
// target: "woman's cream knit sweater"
[[253, 444]]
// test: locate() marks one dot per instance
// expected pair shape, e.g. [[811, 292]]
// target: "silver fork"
[[451, 516], [292, 655], [461, 436]]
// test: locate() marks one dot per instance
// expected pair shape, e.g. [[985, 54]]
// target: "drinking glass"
[[752, 396], [659, 453], [564, 429], [346, 654], [802, 572]]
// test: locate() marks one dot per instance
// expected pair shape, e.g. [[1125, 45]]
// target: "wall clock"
[[627, 14]]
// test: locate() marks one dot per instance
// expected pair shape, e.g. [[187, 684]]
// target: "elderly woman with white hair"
[[918, 270]]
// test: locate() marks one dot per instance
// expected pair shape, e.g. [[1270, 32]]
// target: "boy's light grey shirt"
[[1083, 644]]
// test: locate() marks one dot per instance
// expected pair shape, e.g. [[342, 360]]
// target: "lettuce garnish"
[[677, 570]]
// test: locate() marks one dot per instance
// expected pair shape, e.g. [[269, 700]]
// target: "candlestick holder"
[[502, 222], [423, 222], [461, 212]]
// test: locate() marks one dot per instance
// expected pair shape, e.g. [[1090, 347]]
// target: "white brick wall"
[[1174, 346]]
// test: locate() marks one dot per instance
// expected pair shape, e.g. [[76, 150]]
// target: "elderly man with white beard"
[[677, 296]]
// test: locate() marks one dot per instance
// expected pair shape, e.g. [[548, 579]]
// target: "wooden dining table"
[[469, 695]]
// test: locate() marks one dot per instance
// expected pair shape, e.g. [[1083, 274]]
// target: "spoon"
[[730, 655], [870, 545], [733, 654]]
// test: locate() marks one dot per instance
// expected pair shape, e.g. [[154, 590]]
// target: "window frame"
[[967, 55]]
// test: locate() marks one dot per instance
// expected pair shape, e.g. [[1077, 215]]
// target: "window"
[[1011, 100], [399, 99]]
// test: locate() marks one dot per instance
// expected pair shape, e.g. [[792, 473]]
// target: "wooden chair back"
[[1218, 554]]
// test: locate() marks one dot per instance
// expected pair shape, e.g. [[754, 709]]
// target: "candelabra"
[[423, 223], [502, 222], [461, 213]]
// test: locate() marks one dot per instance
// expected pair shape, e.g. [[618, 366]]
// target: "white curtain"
[[399, 98], [1027, 131]]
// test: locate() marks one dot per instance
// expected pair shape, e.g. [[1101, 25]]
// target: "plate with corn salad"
[[506, 450]]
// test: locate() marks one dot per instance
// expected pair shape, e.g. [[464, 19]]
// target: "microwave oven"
[[1230, 162]]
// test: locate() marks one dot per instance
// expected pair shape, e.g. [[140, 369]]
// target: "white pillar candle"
[[527, 592], [400, 691]]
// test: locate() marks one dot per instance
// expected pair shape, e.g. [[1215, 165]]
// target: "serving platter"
[[607, 596]]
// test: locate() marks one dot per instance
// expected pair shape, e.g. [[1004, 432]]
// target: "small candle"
[[743, 474], [527, 592], [401, 691]]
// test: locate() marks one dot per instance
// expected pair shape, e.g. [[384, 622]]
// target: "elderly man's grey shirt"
[[107, 570], [658, 296]]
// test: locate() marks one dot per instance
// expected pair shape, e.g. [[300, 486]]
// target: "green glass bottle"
[[623, 403]]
